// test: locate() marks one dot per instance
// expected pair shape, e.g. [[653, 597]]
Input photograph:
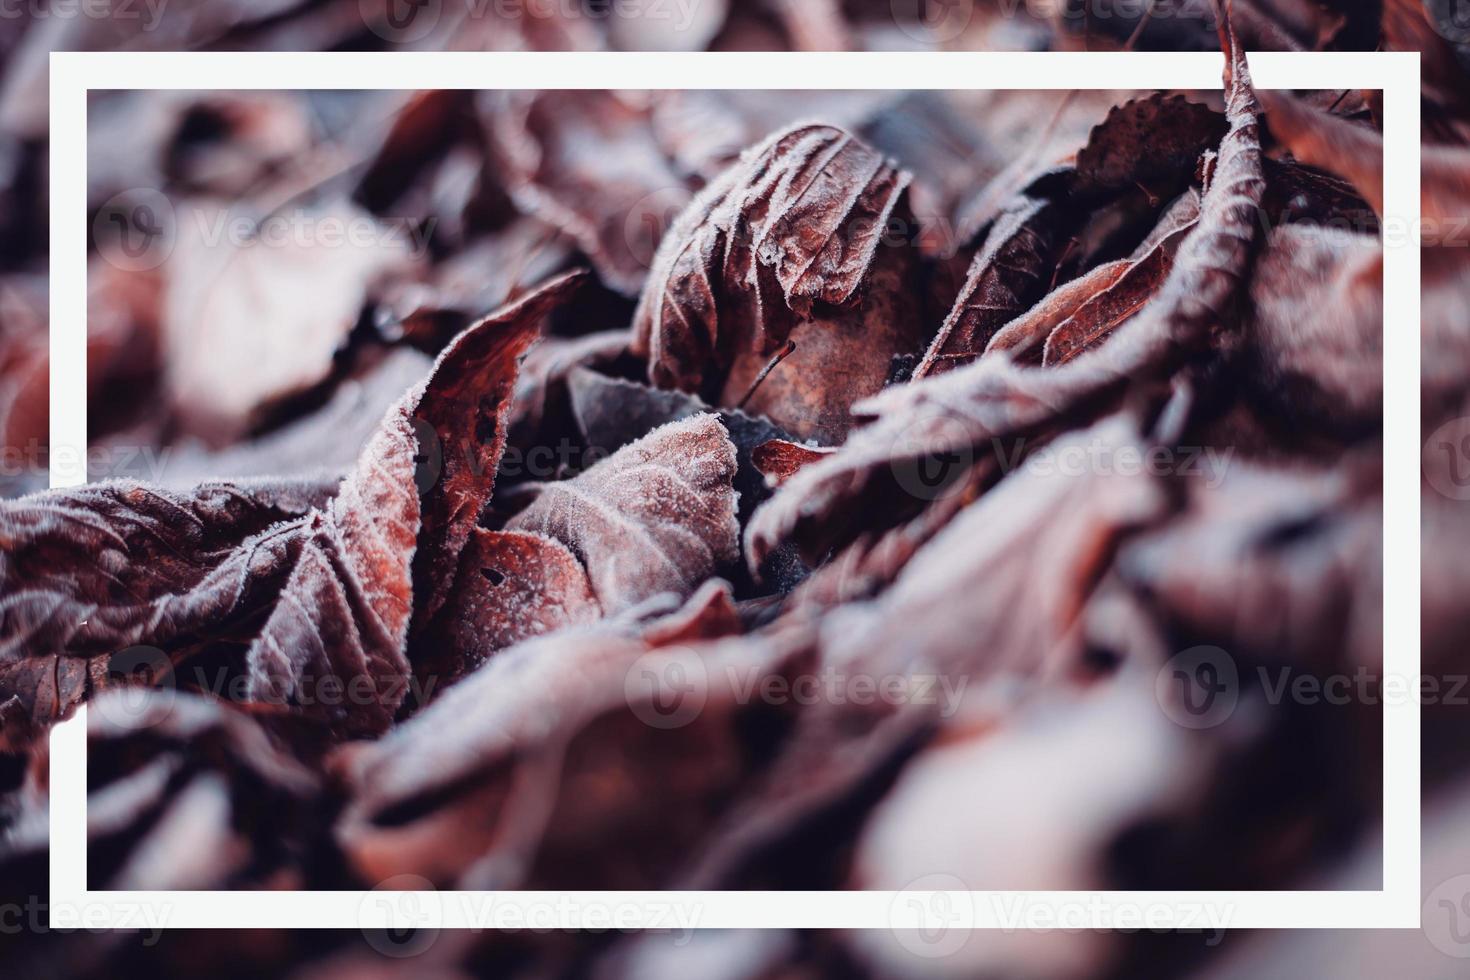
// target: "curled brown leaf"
[[790, 244]]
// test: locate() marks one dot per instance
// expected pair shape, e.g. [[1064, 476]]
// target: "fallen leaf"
[[193, 793], [779, 459], [951, 417], [1320, 139], [506, 767], [584, 162], [1315, 334], [248, 323], [1108, 309], [656, 516], [1009, 274], [511, 586], [787, 245], [1280, 561], [612, 412], [317, 588], [1149, 140]]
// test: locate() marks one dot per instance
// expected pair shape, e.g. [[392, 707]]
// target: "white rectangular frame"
[[1396, 905]]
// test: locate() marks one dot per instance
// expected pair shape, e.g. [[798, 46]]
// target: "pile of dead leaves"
[[694, 496]]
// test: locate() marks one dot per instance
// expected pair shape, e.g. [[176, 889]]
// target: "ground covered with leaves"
[[719, 490]]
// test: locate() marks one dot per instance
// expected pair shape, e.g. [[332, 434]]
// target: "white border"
[[1396, 74]]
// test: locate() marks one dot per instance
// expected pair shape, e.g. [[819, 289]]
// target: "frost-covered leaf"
[[1108, 309], [94, 571], [1152, 140], [1009, 274], [387, 550], [304, 591], [656, 516], [946, 629], [791, 244], [612, 412], [958, 415], [779, 459], [511, 586]]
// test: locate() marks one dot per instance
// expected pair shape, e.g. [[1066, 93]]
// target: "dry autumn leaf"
[[898, 450], [788, 259]]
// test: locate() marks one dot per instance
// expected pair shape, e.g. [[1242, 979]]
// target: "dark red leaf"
[[788, 245], [656, 516]]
